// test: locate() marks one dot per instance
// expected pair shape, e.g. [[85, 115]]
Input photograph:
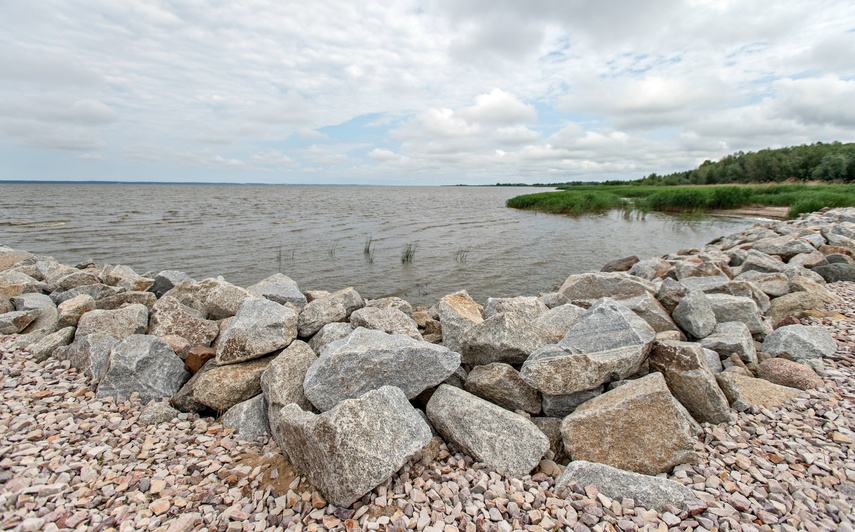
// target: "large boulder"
[[282, 381], [329, 334], [457, 313], [691, 380], [772, 284], [619, 265], [334, 307], [45, 347], [166, 281], [260, 327], [504, 337], [357, 445], [785, 246], [391, 302], [388, 320], [170, 317], [761, 262], [694, 314], [836, 272], [800, 342], [563, 405], [655, 493], [557, 320], [119, 323], [88, 354], [142, 364], [223, 299], [743, 391], [732, 337], [14, 283], [485, 431], [529, 307], [501, 384], [368, 359], [585, 288], [71, 310], [609, 342], [735, 308], [638, 426], [670, 293], [95, 291], [281, 289], [222, 387], [16, 321], [112, 302], [788, 373], [248, 419], [650, 310], [184, 401]]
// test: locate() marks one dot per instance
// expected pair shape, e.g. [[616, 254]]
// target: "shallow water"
[[464, 237]]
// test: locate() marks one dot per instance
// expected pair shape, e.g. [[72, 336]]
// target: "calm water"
[[464, 237]]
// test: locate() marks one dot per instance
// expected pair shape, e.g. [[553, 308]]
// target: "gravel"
[[69, 461]]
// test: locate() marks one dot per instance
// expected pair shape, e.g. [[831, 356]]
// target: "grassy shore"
[[585, 199]]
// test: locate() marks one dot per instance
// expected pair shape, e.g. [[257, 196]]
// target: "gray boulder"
[[457, 313], [223, 299], [334, 307], [694, 314], [16, 321], [121, 299], [71, 310], [391, 302], [785, 247], [16, 283], [74, 279], [554, 299], [772, 284], [732, 337], [142, 364], [691, 380], [650, 310], [638, 426], [95, 291], [166, 281], [119, 323], [157, 412], [833, 273], [761, 262], [558, 320], [528, 307], [368, 359], [655, 493], [744, 289], [88, 354], [800, 342], [714, 359], [248, 419], [170, 317], [505, 337], [585, 288], [734, 308], [328, 334], [281, 289], [609, 342], [485, 431], [551, 427], [501, 384], [222, 387], [45, 323], [282, 381], [670, 293], [388, 320], [563, 405], [357, 445], [260, 327], [649, 268], [45, 347]]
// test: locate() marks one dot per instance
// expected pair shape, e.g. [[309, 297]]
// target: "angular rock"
[[16, 321], [112, 302], [196, 357], [334, 307], [694, 314], [650, 269], [96, 291], [761, 262], [71, 310], [608, 343], [157, 412], [638, 427], [170, 317], [800, 342], [554, 299], [586, 288], [184, 401], [357, 445], [833, 273], [457, 313], [282, 381], [734, 308], [88, 354], [788, 373], [179, 345], [166, 281], [223, 299], [650, 310], [772, 284], [562, 406], [119, 323], [505, 337], [619, 265], [527, 307], [328, 334], [368, 359], [16, 283], [502, 385], [222, 387], [281, 289], [551, 427], [785, 247], [746, 290], [485, 431], [260, 327], [391, 302], [670, 293], [809, 260], [653, 492], [388, 320], [558, 320], [704, 284], [45, 347], [732, 337], [714, 359], [75, 279], [743, 391], [248, 419], [691, 380], [142, 364]]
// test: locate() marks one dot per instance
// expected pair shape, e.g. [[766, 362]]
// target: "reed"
[[460, 255], [408, 253]]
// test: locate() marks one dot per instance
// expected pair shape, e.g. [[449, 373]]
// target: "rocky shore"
[[711, 389]]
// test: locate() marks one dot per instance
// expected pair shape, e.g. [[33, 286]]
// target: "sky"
[[410, 92]]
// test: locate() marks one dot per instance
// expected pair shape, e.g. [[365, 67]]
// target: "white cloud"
[[826, 100]]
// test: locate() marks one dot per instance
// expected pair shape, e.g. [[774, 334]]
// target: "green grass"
[[588, 199], [408, 253]]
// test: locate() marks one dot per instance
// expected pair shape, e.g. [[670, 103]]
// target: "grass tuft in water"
[[408, 253], [461, 254]]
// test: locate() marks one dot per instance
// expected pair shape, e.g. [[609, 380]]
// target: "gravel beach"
[[69, 461]]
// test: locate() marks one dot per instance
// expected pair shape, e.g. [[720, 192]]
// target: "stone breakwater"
[[710, 389]]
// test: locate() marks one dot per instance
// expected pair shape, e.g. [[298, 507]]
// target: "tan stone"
[[788, 373], [743, 391]]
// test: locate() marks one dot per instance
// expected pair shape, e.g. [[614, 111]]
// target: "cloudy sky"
[[414, 92]]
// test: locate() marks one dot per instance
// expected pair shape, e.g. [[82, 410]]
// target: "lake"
[[459, 237]]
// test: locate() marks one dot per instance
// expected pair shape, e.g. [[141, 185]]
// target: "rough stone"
[[743, 391], [248, 419], [485, 431], [761, 262], [734, 308], [558, 320], [650, 310], [96, 291], [670, 293], [119, 323], [619, 265], [282, 381], [328, 334], [157, 412], [223, 299], [16, 283], [504, 337], [638, 426], [554, 299], [836, 272], [564, 405], [691, 380], [694, 314], [732, 337], [785, 247], [391, 302], [88, 354], [184, 401], [166, 281], [800, 342], [388, 320], [75, 279], [113, 302], [142, 364], [551, 427], [334, 307], [281, 289], [222, 387], [367, 359], [526, 306], [714, 360], [45, 347], [653, 492], [650, 269], [357, 445], [772, 284], [197, 356], [457, 313], [170, 317], [585, 288], [260, 327], [609, 342], [16, 321], [71, 310], [501, 384], [788, 373]]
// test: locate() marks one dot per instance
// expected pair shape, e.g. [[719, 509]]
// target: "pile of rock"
[[615, 369]]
